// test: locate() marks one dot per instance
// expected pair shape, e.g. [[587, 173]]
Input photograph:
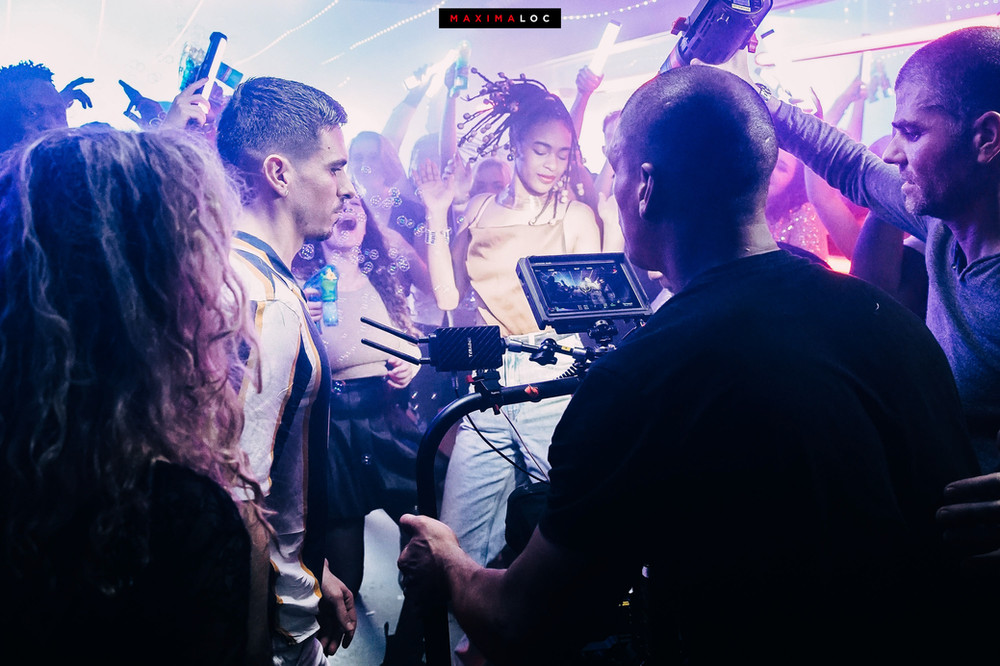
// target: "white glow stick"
[[604, 47]]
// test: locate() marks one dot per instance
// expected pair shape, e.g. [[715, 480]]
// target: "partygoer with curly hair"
[[372, 440], [119, 427]]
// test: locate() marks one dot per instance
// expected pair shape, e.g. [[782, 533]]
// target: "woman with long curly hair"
[[534, 214], [372, 439], [120, 319]]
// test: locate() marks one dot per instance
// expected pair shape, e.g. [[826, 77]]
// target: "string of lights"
[[289, 32], [384, 31], [608, 12]]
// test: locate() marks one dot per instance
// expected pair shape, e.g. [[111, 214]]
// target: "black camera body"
[[466, 348], [715, 31]]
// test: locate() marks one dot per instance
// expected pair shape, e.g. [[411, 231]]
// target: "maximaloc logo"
[[499, 18]]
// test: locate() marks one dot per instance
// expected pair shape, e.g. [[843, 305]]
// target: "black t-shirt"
[[773, 446]]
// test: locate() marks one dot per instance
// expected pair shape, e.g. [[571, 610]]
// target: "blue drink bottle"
[[328, 295]]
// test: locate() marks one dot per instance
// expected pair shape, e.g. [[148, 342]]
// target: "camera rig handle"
[[437, 643], [478, 348]]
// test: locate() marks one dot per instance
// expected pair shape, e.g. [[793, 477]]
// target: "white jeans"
[[478, 480]]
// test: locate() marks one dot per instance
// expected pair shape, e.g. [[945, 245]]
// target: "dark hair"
[[392, 167], [382, 267], [960, 71], [12, 80], [120, 318], [780, 204], [514, 107], [12, 76], [428, 143], [269, 115], [709, 138]]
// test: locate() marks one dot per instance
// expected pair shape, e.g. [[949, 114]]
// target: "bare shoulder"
[[473, 210], [582, 234], [580, 213]]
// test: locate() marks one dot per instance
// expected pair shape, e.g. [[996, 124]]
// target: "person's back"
[[118, 428], [186, 604], [790, 453], [770, 448]]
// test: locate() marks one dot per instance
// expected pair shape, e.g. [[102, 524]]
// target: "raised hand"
[[436, 191], [460, 173], [71, 93], [587, 82], [188, 108]]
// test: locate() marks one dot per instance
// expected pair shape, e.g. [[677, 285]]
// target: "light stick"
[[604, 47]]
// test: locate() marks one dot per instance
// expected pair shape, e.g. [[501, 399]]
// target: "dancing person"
[[791, 217], [532, 215], [489, 176], [747, 534], [371, 468], [284, 140], [841, 217], [119, 321]]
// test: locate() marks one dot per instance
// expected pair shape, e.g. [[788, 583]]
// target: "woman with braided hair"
[[533, 215]]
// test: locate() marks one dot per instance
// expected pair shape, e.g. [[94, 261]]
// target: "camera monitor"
[[572, 292]]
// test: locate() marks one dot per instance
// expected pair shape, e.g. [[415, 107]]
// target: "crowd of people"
[[784, 464]]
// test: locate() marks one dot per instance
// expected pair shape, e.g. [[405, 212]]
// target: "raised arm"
[[586, 84], [402, 114], [437, 193], [841, 217], [847, 165], [448, 136]]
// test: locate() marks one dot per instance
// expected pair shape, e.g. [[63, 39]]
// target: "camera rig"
[[568, 294]]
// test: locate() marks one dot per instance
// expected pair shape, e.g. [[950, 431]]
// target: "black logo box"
[[499, 18]]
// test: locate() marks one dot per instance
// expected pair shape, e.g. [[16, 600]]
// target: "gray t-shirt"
[[963, 301]]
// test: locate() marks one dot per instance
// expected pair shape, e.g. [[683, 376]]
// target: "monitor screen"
[[571, 292]]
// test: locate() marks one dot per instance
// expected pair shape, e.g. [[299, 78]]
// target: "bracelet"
[[432, 237]]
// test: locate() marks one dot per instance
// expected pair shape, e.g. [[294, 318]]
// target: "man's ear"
[[646, 190], [276, 171], [986, 136]]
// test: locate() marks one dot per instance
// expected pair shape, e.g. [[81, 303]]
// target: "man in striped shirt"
[[284, 140]]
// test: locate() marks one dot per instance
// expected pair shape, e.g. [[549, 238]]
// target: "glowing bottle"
[[461, 69], [328, 295]]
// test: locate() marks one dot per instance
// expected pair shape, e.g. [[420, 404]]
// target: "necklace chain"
[[545, 205]]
